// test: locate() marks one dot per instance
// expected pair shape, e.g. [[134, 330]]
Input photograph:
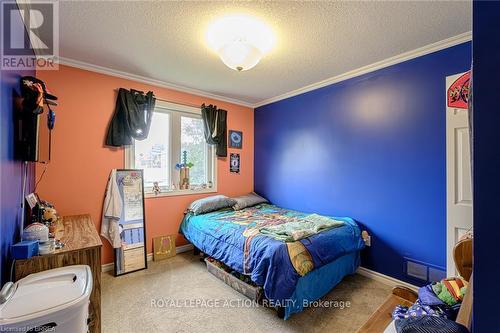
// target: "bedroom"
[[311, 155]]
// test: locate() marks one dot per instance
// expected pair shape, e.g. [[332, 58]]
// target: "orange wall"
[[76, 177]]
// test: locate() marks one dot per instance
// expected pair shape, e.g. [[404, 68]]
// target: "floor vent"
[[416, 270], [436, 274]]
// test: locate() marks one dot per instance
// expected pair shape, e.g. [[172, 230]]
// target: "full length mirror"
[[131, 255]]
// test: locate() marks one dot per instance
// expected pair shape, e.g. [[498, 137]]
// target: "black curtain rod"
[[174, 102]]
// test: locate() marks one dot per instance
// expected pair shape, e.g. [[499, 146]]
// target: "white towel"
[[112, 212]]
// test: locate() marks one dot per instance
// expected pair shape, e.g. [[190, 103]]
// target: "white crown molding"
[[149, 257], [449, 42], [385, 279], [143, 79], [434, 47]]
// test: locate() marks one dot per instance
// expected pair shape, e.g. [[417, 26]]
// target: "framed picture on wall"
[[235, 139], [234, 163], [131, 255]]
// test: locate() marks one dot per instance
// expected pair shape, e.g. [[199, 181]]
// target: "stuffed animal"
[[49, 215], [49, 218]]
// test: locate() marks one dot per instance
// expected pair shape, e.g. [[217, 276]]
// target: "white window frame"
[[176, 111]]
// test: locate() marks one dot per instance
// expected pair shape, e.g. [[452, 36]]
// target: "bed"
[[292, 274]]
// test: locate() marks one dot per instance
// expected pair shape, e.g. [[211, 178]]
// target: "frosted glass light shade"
[[240, 55], [240, 40]]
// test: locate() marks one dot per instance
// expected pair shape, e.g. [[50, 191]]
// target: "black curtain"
[[132, 117], [215, 128]]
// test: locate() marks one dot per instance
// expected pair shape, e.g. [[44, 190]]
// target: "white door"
[[458, 178]]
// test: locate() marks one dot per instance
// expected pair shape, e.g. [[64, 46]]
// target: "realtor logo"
[[30, 35]]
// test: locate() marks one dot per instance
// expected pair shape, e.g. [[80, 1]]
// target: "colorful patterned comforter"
[[233, 237]]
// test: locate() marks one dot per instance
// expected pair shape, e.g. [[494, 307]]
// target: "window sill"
[[179, 192]]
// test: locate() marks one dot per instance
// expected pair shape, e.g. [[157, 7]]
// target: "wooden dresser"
[[83, 247]]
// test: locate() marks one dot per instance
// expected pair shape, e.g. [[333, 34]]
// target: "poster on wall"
[[234, 163], [131, 255], [235, 139], [458, 91]]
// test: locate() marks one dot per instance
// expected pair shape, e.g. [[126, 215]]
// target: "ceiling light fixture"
[[240, 40]]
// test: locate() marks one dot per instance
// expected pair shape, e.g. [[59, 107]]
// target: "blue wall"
[[10, 171], [486, 152], [371, 147]]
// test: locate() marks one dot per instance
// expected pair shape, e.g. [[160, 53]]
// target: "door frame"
[[452, 232]]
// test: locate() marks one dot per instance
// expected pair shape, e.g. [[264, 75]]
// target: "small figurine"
[[156, 188], [184, 171]]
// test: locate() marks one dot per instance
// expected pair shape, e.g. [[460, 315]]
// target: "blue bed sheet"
[[319, 282], [233, 238]]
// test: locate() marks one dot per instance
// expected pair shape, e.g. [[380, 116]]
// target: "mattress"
[[233, 238]]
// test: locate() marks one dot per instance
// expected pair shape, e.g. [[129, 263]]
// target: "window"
[[176, 131]]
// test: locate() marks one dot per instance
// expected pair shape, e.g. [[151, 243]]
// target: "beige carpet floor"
[[128, 303]]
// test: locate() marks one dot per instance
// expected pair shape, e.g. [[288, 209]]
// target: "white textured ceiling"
[[316, 40]]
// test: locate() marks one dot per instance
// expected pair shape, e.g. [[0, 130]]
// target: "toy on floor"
[[440, 299]]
